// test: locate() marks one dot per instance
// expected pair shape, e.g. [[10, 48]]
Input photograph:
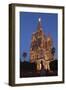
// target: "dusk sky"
[[28, 25]]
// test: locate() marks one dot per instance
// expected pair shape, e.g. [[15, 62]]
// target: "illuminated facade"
[[40, 50]]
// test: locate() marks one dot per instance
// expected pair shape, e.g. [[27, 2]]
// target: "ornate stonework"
[[40, 50]]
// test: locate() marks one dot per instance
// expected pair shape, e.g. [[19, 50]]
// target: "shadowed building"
[[40, 50]]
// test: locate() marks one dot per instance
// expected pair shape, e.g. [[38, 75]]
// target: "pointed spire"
[[39, 19], [39, 24]]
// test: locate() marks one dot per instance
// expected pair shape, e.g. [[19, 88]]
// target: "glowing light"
[[39, 19]]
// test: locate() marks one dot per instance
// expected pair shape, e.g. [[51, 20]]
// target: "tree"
[[53, 51], [24, 55], [54, 65]]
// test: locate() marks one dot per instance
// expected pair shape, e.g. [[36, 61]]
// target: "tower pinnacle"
[[39, 24], [39, 19]]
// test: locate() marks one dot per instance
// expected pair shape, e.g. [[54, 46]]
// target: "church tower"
[[40, 50]]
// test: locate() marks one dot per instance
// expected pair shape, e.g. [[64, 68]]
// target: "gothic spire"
[[39, 24]]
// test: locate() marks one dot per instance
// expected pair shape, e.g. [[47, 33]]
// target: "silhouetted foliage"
[[53, 50], [28, 69], [54, 65], [24, 55], [27, 66]]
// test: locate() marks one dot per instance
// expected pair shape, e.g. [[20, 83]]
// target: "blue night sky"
[[28, 25]]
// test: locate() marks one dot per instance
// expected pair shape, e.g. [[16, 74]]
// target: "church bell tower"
[[40, 50]]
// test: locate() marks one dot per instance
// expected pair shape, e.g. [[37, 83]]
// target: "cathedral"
[[40, 48]]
